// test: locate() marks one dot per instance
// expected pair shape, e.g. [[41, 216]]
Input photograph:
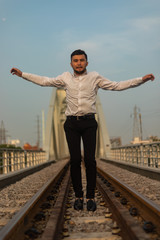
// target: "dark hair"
[[79, 52]]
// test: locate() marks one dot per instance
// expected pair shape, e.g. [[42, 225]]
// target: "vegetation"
[[9, 146], [154, 139]]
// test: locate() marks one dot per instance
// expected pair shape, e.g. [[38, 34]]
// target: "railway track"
[[121, 213], [30, 221], [129, 206]]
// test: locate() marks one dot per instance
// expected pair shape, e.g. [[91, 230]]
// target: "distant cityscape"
[[5, 139]]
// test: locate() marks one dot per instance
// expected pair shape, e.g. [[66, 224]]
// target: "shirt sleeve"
[[45, 81], [106, 84]]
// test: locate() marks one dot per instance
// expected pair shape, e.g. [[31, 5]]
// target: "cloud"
[[136, 42], [4, 19], [104, 44], [138, 35], [145, 24]]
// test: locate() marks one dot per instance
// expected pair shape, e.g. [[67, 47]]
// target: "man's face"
[[79, 64]]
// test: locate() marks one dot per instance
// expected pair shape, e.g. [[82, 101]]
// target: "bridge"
[[56, 148], [55, 136]]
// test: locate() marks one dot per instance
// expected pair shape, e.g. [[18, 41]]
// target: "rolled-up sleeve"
[[45, 81], [106, 84]]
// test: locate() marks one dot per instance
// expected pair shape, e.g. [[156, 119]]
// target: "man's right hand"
[[16, 71]]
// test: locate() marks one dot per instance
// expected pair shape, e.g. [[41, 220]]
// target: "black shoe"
[[78, 204], [91, 205]]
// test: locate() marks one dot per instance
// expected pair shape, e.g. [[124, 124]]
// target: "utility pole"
[[43, 129], [140, 122], [2, 133], [38, 133], [137, 124]]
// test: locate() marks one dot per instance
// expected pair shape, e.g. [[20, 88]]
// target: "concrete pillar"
[[12, 162], [5, 167]]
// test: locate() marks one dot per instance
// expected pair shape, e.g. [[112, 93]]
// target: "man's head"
[[79, 52], [79, 61]]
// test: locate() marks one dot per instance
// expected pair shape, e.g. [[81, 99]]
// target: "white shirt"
[[81, 90]]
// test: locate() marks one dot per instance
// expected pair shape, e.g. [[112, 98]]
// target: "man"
[[81, 89]]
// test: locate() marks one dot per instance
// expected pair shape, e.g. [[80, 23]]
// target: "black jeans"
[[76, 130]]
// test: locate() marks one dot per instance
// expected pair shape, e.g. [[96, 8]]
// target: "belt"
[[87, 116]]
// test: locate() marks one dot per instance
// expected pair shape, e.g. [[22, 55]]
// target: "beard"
[[80, 72]]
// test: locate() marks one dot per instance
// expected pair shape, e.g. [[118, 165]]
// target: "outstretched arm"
[[16, 71], [40, 80], [122, 85], [148, 77]]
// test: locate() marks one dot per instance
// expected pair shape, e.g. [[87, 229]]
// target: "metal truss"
[[55, 140]]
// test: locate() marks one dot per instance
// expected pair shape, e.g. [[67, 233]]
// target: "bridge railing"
[[141, 154], [15, 159]]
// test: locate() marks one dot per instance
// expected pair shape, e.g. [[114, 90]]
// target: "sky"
[[121, 38]]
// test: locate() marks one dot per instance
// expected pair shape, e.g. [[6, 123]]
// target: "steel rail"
[[147, 209], [54, 226], [17, 225], [149, 172], [130, 230]]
